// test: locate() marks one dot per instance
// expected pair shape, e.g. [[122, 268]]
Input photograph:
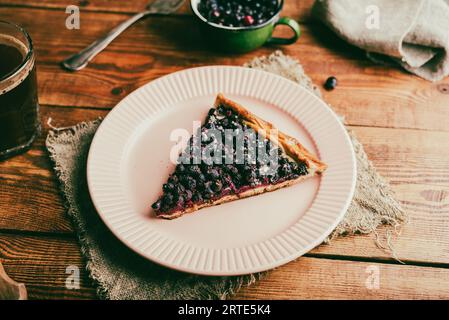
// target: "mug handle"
[[292, 24]]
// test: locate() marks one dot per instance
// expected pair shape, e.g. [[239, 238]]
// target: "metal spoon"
[[80, 60]]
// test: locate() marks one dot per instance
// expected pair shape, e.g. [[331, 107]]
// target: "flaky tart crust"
[[292, 147]]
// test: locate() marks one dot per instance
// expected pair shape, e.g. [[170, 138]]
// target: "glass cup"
[[19, 107]]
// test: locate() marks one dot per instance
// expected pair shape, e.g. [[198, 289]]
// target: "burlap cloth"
[[412, 33], [119, 273]]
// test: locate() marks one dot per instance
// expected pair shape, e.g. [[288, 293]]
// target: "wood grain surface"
[[401, 120], [41, 263]]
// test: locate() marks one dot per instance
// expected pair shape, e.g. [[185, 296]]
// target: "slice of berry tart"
[[234, 155]]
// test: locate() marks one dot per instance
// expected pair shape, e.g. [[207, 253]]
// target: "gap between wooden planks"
[[41, 264]]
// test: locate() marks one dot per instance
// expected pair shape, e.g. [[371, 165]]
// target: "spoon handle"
[[79, 60]]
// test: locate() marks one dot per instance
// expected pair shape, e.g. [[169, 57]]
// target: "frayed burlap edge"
[[72, 135]]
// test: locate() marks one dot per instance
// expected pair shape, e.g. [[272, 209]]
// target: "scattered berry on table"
[[330, 83]]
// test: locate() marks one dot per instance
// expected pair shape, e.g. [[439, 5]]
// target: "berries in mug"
[[238, 13]]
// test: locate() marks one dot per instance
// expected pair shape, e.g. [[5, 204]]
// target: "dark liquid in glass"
[[18, 98]]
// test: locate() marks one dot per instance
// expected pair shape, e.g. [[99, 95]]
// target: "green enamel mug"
[[244, 39]]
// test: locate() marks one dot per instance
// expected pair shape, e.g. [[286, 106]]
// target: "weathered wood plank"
[[41, 264], [368, 94], [311, 278], [415, 162], [296, 9]]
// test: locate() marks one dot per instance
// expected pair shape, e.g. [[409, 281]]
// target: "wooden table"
[[402, 121]]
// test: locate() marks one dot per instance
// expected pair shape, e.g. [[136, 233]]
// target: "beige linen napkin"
[[412, 33]]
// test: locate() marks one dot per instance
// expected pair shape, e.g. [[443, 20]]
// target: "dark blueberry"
[[173, 179], [211, 112], [302, 169], [181, 189], [237, 179], [286, 169], [180, 168], [330, 83], [295, 167], [221, 109], [207, 195], [180, 201], [282, 160], [205, 167], [208, 192], [189, 182], [188, 195], [195, 170], [213, 173], [165, 207], [216, 14], [232, 169], [184, 179], [157, 205], [235, 125], [207, 185], [217, 186], [249, 167], [167, 198], [274, 178], [196, 197], [168, 187], [192, 184], [226, 123], [239, 18], [254, 182], [201, 178], [251, 175], [243, 168]]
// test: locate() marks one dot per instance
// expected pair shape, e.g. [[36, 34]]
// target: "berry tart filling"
[[197, 184]]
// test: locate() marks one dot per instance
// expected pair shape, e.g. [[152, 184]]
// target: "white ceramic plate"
[[129, 161]]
